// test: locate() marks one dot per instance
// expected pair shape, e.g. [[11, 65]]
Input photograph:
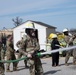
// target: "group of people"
[[9, 53], [28, 45], [68, 38]]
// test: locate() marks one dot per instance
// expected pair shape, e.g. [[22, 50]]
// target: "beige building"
[[5, 32]]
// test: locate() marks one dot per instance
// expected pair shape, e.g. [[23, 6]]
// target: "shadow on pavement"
[[51, 72], [64, 64], [22, 68], [44, 63]]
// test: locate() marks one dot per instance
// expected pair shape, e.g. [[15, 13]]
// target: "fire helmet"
[[65, 30], [54, 36]]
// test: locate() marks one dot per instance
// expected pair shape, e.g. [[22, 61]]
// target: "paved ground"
[[48, 69]]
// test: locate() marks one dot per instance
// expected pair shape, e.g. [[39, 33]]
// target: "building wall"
[[5, 33], [42, 33], [17, 36], [50, 30], [21, 29]]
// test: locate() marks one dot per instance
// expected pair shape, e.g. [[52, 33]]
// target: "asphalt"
[[48, 69]]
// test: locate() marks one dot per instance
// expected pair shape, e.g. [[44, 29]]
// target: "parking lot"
[[48, 69]]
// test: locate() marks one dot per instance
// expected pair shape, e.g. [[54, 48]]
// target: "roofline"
[[37, 23]]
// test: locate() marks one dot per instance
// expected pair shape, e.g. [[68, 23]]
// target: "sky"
[[58, 13]]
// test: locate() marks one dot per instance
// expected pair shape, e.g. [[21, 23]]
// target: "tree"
[[17, 21]]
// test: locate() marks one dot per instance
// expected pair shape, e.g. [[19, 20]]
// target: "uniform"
[[74, 53], [2, 54], [55, 56], [34, 63], [55, 45], [21, 45], [74, 56], [2, 68], [10, 54], [69, 42]]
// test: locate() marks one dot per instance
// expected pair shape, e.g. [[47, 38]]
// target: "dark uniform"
[[2, 69], [34, 63], [55, 56], [10, 54]]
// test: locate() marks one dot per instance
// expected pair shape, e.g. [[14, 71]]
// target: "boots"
[[7, 70], [15, 69], [66, 64]]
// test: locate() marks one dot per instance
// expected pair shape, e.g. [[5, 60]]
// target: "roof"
[[38, 22], [43, 24], [11, 29]]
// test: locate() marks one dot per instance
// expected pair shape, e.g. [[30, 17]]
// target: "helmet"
[[30, 26], [27, 30], [65, 30], [50, 36], [54, 36]]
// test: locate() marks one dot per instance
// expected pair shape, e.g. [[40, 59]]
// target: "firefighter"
[[21, 45], [74, 51], [68, 38], [2, 68], [32, 45], [55, 45], [10, 53]]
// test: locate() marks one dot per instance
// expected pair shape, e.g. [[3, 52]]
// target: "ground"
[[48, 69]]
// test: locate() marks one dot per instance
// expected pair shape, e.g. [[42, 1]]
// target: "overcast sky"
[[58, 13]]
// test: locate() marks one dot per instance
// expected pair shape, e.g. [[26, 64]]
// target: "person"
[[21, 45], [32, 45], [10, 53], [69, 42], [55, 45], [2, 68], [3, 41], [74, 50]]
